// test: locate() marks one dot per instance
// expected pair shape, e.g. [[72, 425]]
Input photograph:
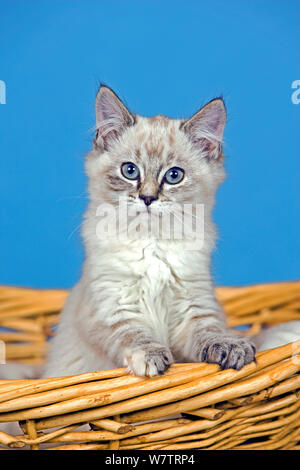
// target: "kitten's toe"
[[229, 352], [149, 362]]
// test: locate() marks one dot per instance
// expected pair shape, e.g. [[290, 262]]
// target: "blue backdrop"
[[161, 56]]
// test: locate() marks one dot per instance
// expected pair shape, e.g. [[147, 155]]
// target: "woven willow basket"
[[257, 407]]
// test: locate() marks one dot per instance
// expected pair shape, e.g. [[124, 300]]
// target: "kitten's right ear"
[[112, 117]]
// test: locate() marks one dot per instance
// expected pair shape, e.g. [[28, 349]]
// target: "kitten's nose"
[[148, 199]]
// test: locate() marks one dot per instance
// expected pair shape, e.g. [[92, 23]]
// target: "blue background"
[[166, 57]]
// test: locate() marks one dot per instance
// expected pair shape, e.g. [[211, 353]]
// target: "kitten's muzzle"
[[147, 199]]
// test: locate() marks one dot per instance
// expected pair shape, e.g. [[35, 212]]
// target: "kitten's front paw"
[[148, 362], [230, 352]]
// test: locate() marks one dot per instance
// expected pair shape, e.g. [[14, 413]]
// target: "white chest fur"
[[149, 277]]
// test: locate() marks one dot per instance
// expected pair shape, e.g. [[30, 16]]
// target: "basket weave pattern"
[[257, 407]]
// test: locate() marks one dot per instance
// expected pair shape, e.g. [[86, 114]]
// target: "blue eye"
[[174, 175], [130, 171]]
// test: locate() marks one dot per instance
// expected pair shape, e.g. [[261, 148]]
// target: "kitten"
[[147, 302]]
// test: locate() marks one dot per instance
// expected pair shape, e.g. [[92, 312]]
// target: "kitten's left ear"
[[112, 117], [206, 128]]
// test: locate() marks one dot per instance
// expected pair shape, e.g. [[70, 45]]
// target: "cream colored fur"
[[146, 303]]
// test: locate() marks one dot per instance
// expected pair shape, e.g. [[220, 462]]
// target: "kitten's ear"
[[112, 117], [206, 127]]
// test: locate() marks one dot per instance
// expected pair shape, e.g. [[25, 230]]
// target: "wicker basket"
[[257, 407]]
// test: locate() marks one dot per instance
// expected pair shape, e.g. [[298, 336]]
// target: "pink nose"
[[148, 199]]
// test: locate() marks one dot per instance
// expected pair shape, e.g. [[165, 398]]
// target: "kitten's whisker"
[[81, 196], [173, 213], [75, 230]]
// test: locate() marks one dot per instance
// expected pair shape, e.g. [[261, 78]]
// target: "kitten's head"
[[155, 163]]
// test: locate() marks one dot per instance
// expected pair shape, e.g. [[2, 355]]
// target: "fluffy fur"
[[148, 302], [145, 303], [277, 335]]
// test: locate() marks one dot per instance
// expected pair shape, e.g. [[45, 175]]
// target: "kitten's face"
[[155, 164]]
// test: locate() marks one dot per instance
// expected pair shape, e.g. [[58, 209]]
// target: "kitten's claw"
[[230, 352], [148, 362]]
